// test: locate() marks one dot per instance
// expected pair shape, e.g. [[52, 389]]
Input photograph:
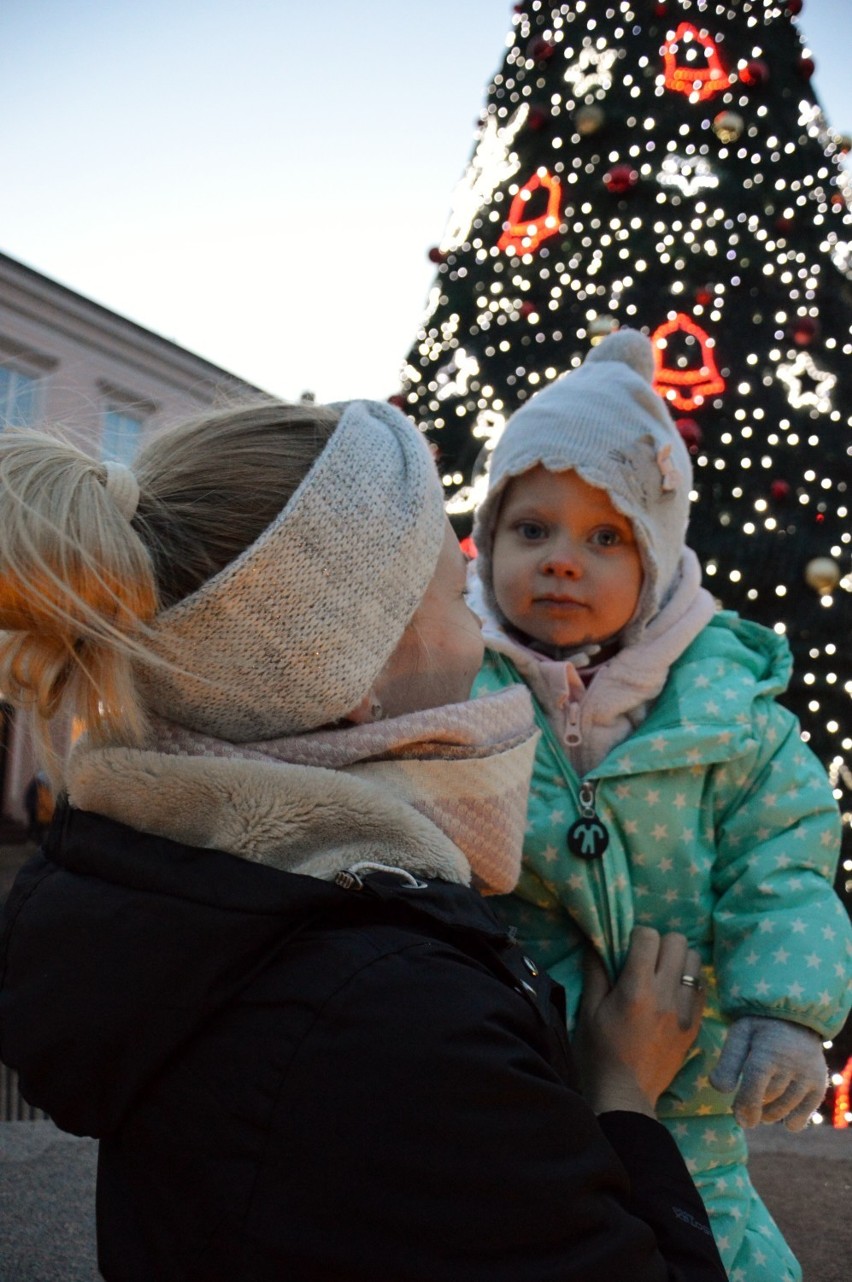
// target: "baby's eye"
[[606, 538], [531, 531]]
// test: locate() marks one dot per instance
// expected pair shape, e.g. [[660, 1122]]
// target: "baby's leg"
[[750, 1242]]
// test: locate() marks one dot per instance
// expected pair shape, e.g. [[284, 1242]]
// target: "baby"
[[670, 788]]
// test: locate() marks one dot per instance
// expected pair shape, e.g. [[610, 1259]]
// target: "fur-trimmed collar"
[[458, 816]]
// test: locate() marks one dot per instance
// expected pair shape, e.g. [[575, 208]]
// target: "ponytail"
[[76, 588], [84, 570]]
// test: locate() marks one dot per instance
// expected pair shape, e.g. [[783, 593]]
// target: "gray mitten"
[[780, 1068]]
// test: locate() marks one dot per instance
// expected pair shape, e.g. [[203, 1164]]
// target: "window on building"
[[121, 436], [18, 397]]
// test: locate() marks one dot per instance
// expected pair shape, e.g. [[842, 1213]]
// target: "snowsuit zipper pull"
[[573, 737], [587, 837]]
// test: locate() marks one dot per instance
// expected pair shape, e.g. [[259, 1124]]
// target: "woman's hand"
[[632, 1037]]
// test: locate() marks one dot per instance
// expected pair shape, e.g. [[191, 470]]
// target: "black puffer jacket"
[[295, 1080]]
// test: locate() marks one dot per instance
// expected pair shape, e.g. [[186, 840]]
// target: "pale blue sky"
[[260, 180]]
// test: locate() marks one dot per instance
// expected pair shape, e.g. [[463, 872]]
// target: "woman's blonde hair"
[[79, 582]]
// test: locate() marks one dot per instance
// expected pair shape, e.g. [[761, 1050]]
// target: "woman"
[[249, 958]]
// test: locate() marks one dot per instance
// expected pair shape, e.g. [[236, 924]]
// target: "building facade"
[[108, 384]]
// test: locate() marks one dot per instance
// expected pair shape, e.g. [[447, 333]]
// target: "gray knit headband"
[[293, 633]]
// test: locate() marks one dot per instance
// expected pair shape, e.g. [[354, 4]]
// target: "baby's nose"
[[562, 562]]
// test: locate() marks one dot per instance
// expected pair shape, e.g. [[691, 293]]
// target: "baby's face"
[[567, 569]]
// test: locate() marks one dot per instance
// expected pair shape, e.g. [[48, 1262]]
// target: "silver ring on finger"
[[690, 981]]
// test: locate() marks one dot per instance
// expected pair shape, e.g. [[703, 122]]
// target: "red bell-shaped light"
[[522, 234], [687, 384], [702, 74]]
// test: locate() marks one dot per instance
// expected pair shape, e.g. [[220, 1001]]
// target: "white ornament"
[[689, 175], [453, 377], [793, 375], [592, 71], [841, 256], [492, 164]]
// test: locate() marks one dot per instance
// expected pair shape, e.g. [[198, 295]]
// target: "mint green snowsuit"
[[722, 826]]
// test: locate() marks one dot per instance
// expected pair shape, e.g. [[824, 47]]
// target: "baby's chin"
[[563, 639]]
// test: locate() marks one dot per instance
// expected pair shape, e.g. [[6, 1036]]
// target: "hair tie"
[[122, 487]]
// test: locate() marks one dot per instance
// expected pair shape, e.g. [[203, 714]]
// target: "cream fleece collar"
[[441, 794]]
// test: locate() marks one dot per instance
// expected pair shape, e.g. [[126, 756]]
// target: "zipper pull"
[[573, 737], [587, 837]]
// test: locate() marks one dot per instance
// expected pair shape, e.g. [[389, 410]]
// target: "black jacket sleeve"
[[663, 1195]]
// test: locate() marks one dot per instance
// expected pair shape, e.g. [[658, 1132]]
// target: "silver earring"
[[377, 712]]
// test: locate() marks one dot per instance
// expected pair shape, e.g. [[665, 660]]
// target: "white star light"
[[689, 175], [841, 256], [798, 395], [492, 164], [592, 70], [454, 376]]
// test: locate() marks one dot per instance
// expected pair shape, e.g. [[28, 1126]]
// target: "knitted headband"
[[605, 422], [293, 633]]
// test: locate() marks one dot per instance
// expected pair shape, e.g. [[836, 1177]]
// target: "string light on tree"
[[686, 182]]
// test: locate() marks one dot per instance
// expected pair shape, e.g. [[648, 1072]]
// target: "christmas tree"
[[667, 166]]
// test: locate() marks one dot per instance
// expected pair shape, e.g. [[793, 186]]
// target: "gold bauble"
[[822, 574], [588, 120], [728, 126]]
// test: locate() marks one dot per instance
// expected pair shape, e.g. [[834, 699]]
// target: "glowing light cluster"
[[687, 384], [842, 1116], [692, 65]]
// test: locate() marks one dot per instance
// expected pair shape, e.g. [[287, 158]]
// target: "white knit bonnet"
[[605, 422], [292, 634]]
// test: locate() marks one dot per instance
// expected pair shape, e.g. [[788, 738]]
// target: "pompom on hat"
[[605, 422], [293, 633]]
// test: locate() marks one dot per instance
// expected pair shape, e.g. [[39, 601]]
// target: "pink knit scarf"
[[466, 767]]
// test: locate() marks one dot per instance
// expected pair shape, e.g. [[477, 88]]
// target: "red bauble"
[[795, 7], [436, 255], [661, 10], [539, 116], [620, 179], [540, 49], [691, 434], [398, 400], [755, 73], [780, 490], [804, 330], [704, 296], [784, 225], [527, 309], [807, 67]]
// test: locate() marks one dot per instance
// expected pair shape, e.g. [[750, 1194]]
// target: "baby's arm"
[[782, 937]]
